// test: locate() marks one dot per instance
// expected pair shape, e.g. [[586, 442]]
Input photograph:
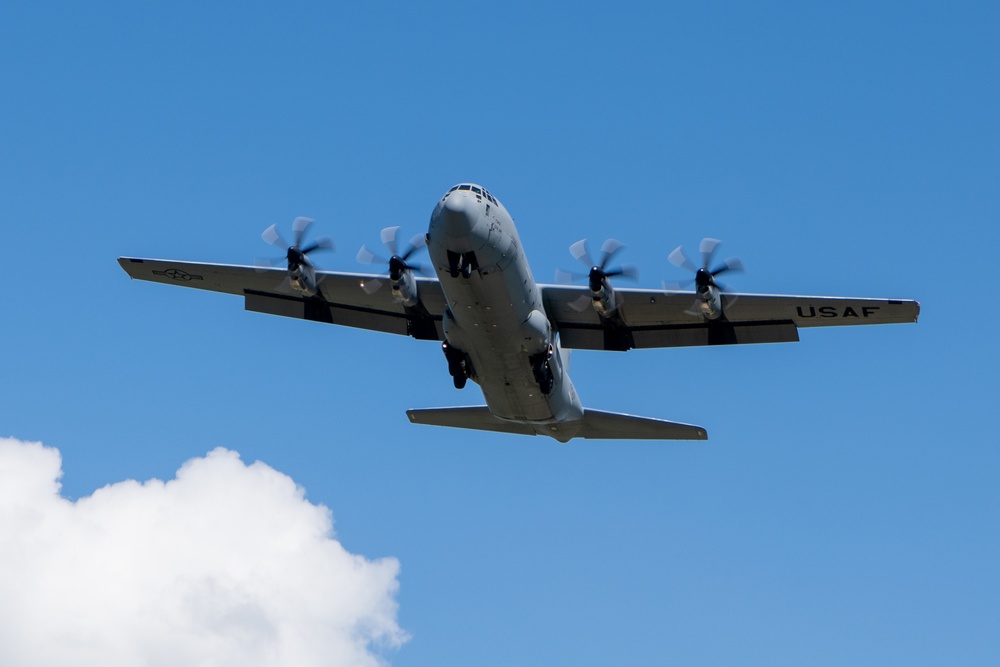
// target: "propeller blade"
[[366, 256], [565, 277], [610, 248], [299, 226], [579, 251], [680, 260], [707, 249], [272, 236], [629, 272], [371, 286], [731, 264], [325, 243], [388, 237], [581, 304], [416, 243]]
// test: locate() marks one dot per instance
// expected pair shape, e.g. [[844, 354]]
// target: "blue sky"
[[843, 510]]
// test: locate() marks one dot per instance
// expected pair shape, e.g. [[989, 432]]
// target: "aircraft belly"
[[511, 391], [490, 311]]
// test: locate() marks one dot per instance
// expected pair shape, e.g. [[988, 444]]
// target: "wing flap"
[[715, 333], [317, 310]]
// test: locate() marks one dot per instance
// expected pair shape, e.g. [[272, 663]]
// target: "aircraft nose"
[[458, 215]]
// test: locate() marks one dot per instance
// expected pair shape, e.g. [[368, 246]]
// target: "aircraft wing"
[[342, 299], [653, 318]]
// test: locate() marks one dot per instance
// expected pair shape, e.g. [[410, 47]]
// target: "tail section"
[[595, 425]]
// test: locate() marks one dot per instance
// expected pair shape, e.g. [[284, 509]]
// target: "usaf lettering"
[[831, 311]]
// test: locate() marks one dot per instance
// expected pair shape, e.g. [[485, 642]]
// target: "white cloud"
[[227, 564]]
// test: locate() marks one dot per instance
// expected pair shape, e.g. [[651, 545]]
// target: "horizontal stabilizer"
[[595, 425], [599, 425], [476, 417]]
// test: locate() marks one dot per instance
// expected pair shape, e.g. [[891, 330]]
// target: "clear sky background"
[[845, 507]]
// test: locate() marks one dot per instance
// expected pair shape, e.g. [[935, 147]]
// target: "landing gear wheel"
[[548, 381], [462, 264], [543, 371], [458, 367]]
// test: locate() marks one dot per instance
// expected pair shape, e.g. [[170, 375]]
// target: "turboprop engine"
[[301, 271], [708, 292], [603, 297], [401, 269]]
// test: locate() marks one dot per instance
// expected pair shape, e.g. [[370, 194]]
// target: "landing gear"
[[458, 365], [462, 264], [542, 370]]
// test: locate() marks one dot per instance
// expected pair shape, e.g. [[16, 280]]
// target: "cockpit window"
[[479, 191]]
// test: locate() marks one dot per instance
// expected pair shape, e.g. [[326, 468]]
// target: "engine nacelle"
[[404, 289], [605, 300], [709, 302], [302, 278]]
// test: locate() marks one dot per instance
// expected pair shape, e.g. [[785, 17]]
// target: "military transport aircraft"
[[504, 331]]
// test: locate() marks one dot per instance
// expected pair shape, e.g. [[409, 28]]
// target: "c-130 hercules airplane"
[[507, 333]]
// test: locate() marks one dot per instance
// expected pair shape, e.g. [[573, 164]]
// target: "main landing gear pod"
[[537, 333], [458, 364]]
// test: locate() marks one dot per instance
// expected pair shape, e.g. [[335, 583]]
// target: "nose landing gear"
[[462, 264]]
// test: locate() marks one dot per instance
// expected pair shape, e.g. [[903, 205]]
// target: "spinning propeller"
[[399, 262], [708, 299], [296, 254], [602, 296], [301, 276], [599, 271], [704, 277]]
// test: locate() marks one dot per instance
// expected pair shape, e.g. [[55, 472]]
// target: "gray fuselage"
[[495, 315]]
